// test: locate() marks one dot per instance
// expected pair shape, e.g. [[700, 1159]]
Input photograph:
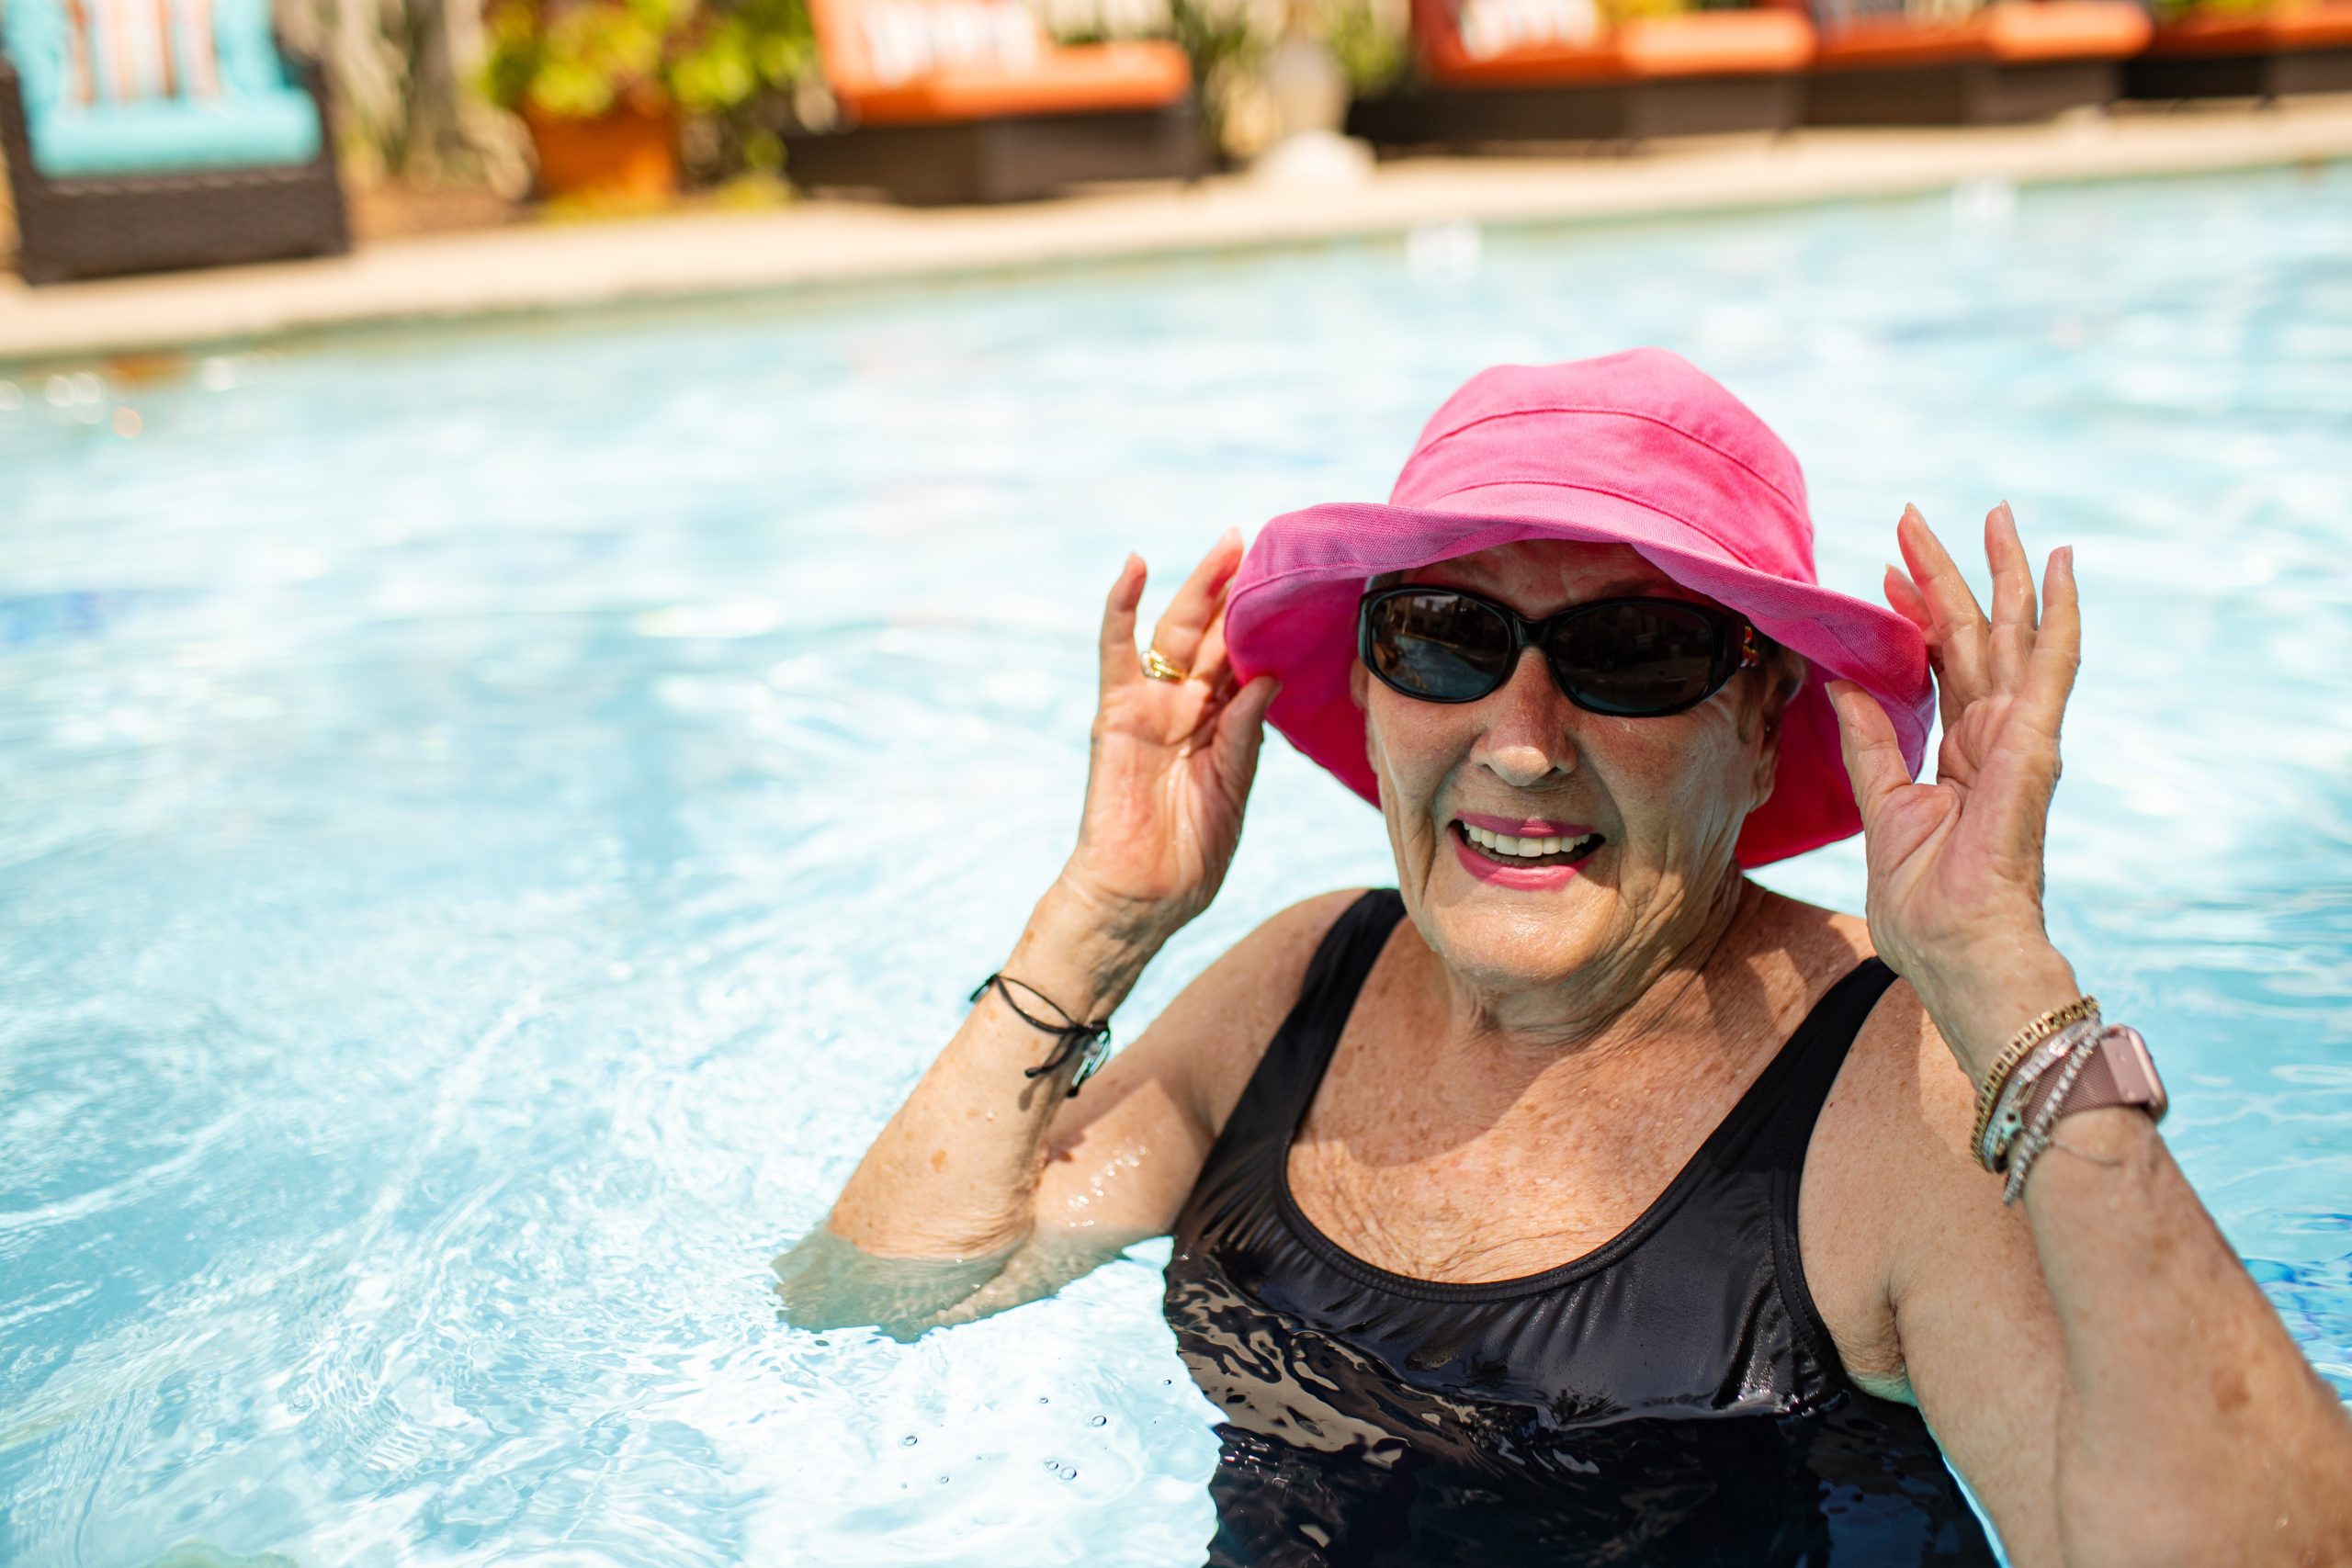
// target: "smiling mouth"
[[1506, 850]]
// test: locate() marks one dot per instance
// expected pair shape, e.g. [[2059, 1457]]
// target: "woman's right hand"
[[1169, 762]]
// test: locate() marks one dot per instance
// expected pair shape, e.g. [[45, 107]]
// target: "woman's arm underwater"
[[2097, 1359], [946, 1198], [1118, 1161]]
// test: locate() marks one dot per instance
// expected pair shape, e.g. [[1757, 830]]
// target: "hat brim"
[[1291, 612]]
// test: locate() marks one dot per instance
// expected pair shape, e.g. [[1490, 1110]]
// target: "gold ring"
[[1155, 665]]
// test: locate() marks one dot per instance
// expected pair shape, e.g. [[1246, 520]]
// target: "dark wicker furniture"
[[2288, 48], [99, 227], [2004, 63], [1011, 159], [1693, 73]]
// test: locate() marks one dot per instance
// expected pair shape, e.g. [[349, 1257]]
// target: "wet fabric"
[[1671, 1397]]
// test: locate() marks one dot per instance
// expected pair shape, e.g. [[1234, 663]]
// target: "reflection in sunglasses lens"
[[1440, 646], [1630, 659], [1635, 659]]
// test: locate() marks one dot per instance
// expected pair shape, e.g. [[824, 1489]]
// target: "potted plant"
[[604, 86]]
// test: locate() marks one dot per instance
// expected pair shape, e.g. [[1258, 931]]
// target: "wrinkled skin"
[[1667, 794]]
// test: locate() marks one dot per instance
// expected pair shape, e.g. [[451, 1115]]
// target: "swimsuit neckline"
[[1737, 1124]]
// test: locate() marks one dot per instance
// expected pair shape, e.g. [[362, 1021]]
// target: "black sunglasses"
[[1630, 658]]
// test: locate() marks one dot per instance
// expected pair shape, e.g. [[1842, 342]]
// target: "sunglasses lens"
[[1439, 646], [1638, 658]]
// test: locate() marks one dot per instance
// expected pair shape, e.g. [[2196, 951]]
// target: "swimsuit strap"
[[1293, 1064]]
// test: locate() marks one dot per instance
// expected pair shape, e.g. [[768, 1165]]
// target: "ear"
[[1358, 677], [1787, 675]]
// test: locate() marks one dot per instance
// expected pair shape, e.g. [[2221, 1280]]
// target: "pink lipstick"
[[1523, 827], [1531, 878]]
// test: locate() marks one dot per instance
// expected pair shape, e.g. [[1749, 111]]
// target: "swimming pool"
[[495, 820]]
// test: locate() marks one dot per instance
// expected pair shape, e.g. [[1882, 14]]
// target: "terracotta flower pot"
[[629, 151]]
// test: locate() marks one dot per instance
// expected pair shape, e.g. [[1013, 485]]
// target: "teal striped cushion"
[[257, 129]]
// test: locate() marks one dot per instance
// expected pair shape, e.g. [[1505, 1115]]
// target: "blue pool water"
[[491, 823]]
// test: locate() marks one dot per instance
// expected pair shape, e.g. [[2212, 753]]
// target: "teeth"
[[1503, 844]]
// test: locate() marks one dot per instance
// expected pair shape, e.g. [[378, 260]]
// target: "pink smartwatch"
[[2121, 1072]]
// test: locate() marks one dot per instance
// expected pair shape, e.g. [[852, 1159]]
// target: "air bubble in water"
[[1100, 1421], [908, 1441]]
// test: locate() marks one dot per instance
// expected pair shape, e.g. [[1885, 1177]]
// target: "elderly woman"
[[1577, 1199]]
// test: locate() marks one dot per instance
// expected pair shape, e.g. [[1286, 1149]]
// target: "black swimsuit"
[[1671, 1398]]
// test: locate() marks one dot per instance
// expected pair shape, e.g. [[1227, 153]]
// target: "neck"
[[1643, 997]]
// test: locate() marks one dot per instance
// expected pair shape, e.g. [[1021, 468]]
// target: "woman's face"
[[1667, 795]]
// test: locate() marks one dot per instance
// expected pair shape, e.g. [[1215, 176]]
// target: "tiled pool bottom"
[[447, 952]]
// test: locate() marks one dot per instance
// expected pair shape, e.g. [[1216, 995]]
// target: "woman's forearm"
[[953, 1174], [2190, 1428]]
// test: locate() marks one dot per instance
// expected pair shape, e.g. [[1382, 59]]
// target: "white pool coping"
[[553, 266]]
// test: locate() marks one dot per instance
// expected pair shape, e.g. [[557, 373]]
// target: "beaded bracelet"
[[2039, 1135], [2009, 1109], [2022, 1042], [1095, 1037]]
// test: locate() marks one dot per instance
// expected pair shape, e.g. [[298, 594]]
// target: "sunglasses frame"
[[1736, 633]]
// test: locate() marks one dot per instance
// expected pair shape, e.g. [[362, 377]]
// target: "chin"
[[1540, 941]]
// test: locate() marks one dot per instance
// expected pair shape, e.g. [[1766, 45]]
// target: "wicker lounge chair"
[[2006, 62], [2303, 46], [244, 173], [1512, 71], [967, 100]]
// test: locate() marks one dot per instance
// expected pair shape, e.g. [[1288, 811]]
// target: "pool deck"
[[565, 265]]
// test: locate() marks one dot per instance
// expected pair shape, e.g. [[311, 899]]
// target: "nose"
[[1528, 723]]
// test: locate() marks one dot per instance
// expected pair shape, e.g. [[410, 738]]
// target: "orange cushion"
[[2283, 28], [1070, 80], [2013, 31], [1704, 43], [2066, 29], [1695, 43]]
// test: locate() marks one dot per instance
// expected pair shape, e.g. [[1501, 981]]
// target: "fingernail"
[[2069, 552], [1894, 568]]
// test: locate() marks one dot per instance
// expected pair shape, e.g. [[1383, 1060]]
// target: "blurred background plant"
[[722, 66], [1227, 43], [406, 107], [2174, 10], [428, 91], [1369, 44]]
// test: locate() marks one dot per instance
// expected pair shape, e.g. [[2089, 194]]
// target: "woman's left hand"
[[1955, 885]]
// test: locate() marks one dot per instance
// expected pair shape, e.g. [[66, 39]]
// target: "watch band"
[[2119, 1072]]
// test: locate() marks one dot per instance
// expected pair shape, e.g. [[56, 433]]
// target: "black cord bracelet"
[[1072, 1034]]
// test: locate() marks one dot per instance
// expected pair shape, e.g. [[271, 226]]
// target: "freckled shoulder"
[[1212, 1036], [1887, 1167]]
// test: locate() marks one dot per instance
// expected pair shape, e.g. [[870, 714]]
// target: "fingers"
[[2057, 648], [1185, 622], [2010, 643], [1957, 639], [1903, 595], [1117, 647], [1240, 732], [1209, 663], [1873, 755]]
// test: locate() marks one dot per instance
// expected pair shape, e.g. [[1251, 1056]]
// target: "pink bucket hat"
[[1639, 448]]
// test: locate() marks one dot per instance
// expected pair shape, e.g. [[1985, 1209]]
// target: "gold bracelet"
[[2022, 1042]]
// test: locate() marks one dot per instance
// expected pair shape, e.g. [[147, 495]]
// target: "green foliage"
[[578, 58], [2174, 10], [1372, 54], [1217, 38]]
